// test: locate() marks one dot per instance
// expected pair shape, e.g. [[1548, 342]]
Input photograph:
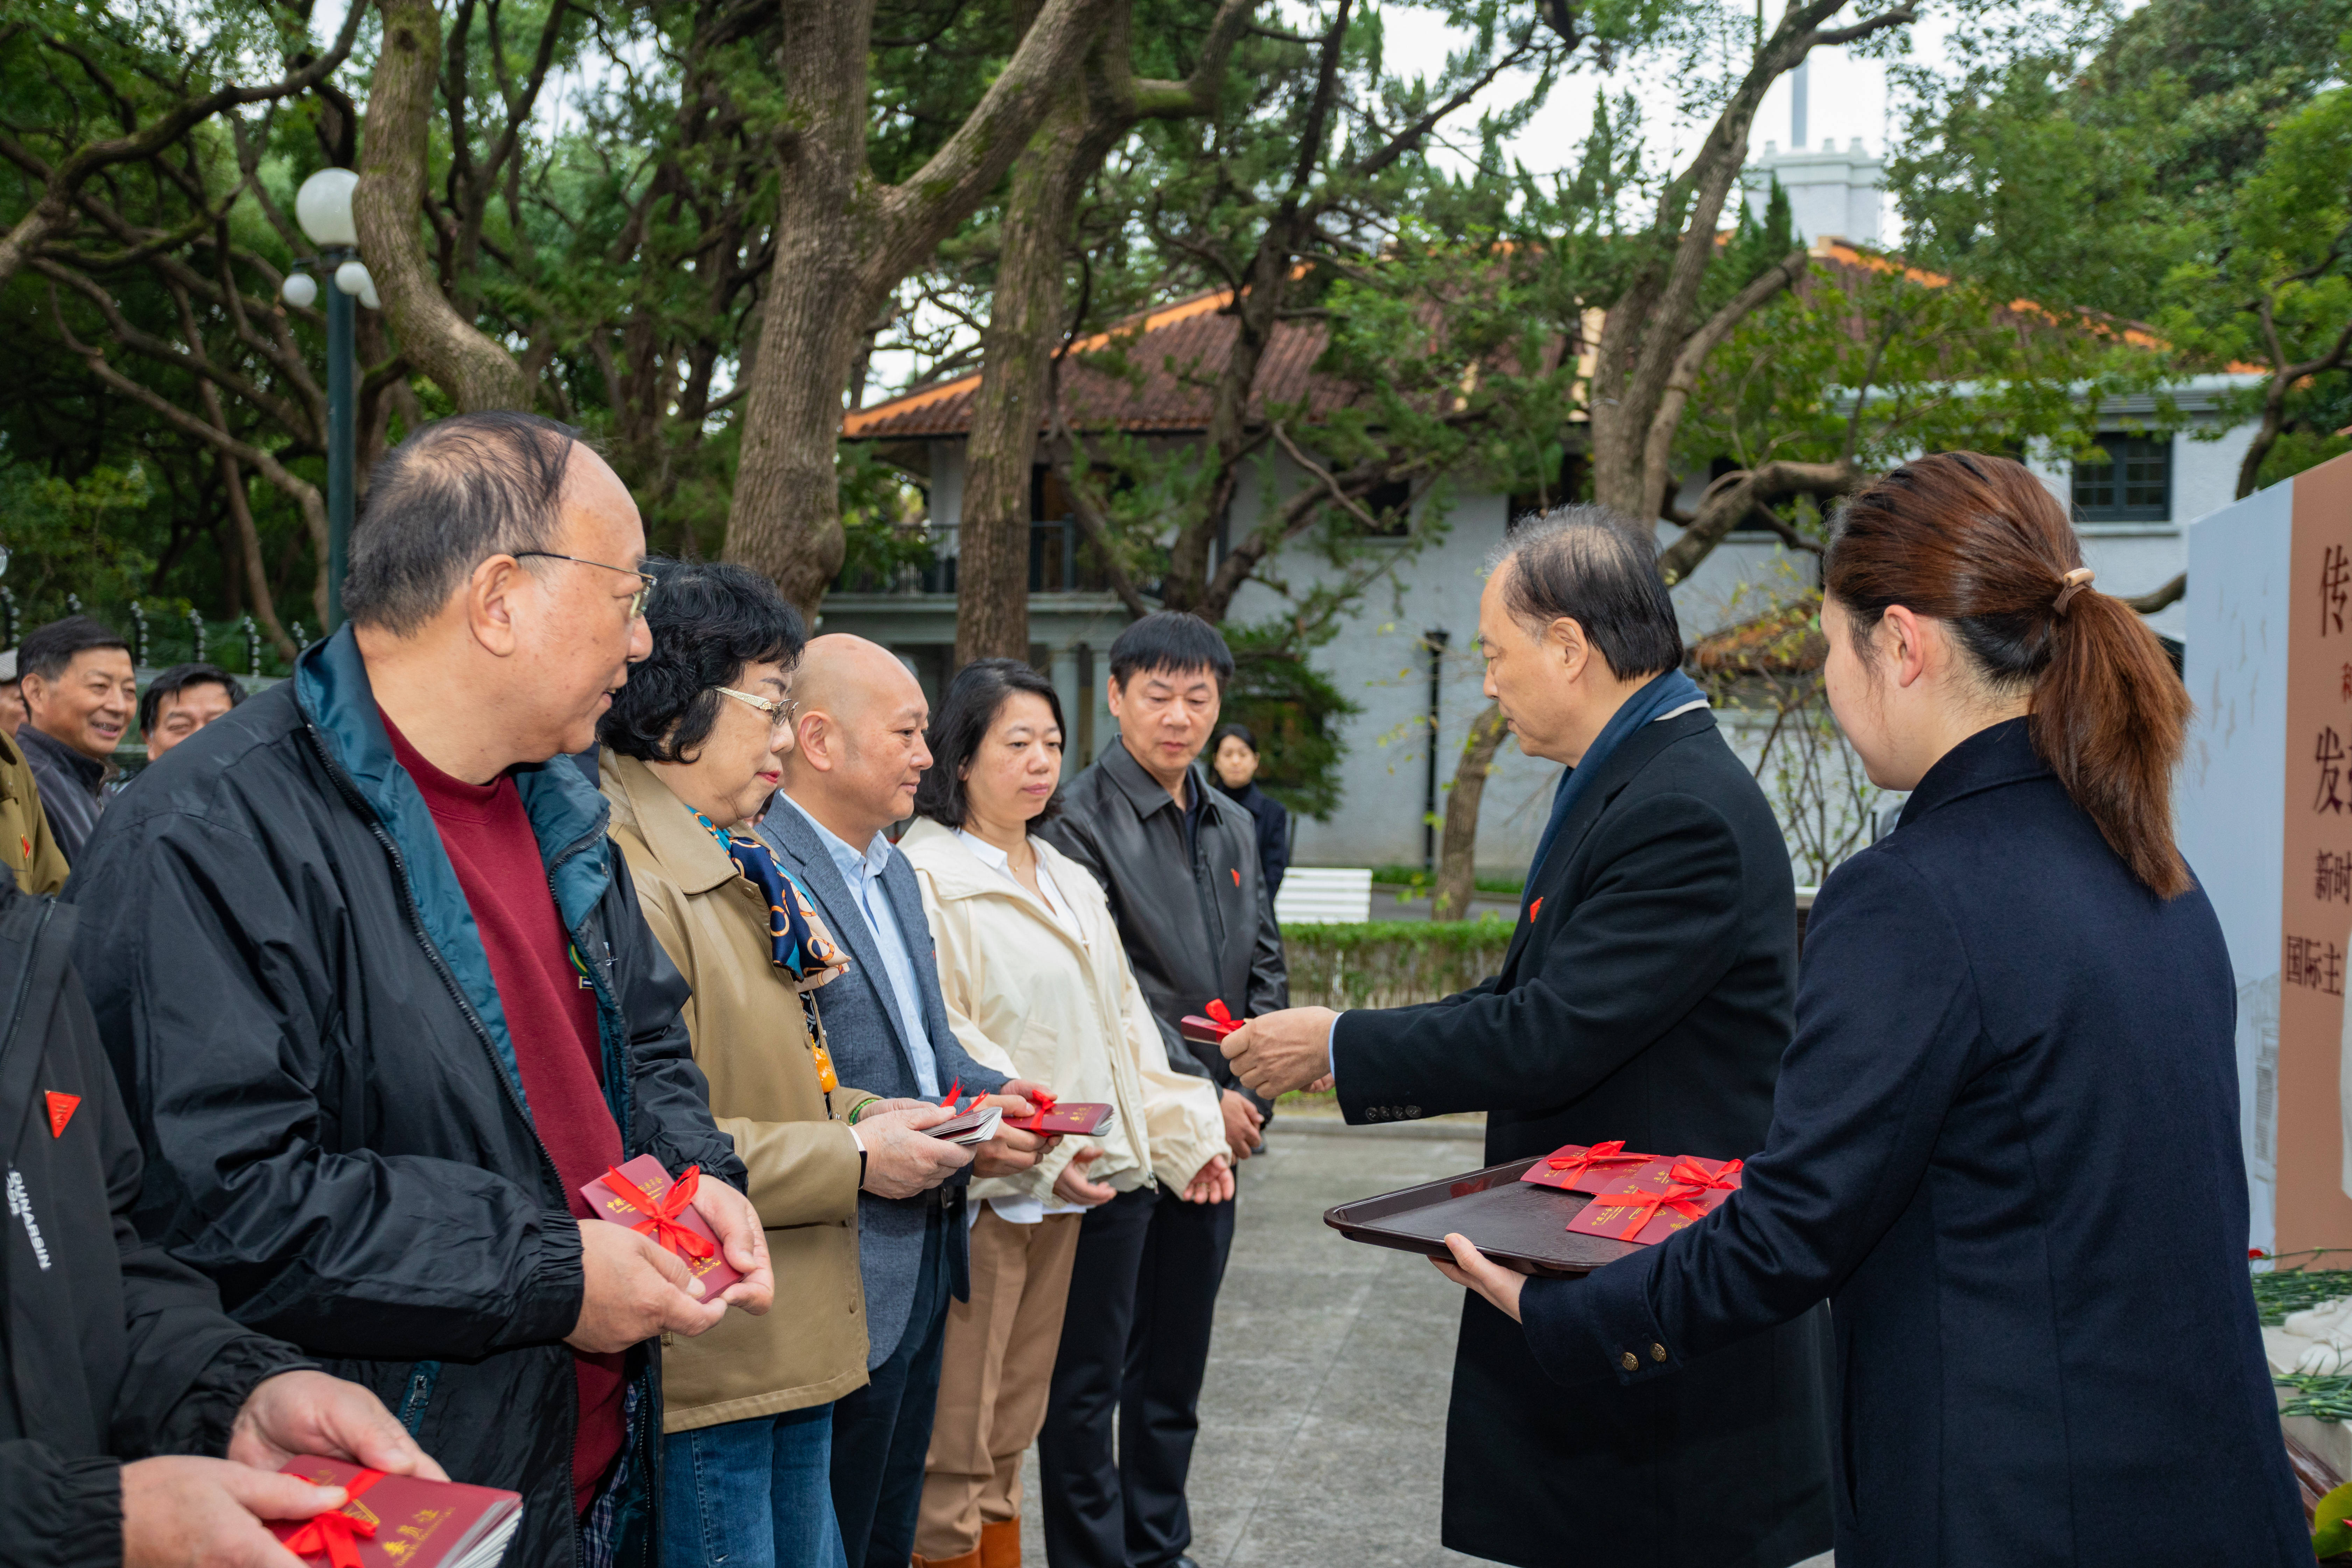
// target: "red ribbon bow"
[[1219, 1011], [1645, 1206], [331, 1532], [1610, 1154], [1691, 1174], [661, 1220]]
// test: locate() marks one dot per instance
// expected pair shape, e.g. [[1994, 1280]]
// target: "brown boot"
[[1000, 1543], [969, 1560]]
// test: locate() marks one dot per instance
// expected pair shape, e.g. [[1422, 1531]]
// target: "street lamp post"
[[324, 207]]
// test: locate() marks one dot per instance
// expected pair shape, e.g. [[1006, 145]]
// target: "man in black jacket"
[[118, 1370], [1179, 859], [377, 985], [1647, 995]]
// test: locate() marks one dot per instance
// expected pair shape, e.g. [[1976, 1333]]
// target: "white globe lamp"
[[301, 291], [324, 207]]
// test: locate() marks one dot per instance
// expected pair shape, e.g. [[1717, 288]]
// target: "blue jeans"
[[751, 1494]]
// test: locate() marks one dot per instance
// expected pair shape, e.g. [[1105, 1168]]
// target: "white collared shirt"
[[861, 874]]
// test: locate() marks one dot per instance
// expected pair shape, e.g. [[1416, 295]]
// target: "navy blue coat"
[[2004, 1143], [1647, 995]]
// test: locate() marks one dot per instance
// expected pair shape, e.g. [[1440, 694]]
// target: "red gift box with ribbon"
[[1208, 1031], [640, 1195], [1585, 1168], [1663, 1197], [398, 1521]]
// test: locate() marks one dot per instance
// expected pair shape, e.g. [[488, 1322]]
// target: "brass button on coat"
[[1658, 1352], [1630, 1362]]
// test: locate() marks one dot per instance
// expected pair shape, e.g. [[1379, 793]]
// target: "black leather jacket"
[[1194, 926]]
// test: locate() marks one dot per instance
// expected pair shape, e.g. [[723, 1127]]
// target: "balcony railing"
[[1060, 562]]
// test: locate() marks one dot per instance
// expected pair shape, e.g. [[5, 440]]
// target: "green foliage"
[[1418, 878], [2279, 1291], [1390, 963], [2187, 165], [2331, 1521], [1295, 712]]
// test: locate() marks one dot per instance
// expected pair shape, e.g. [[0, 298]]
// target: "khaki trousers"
[[997, 1369]]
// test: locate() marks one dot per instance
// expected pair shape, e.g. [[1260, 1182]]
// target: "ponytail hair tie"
[[2069, 586]]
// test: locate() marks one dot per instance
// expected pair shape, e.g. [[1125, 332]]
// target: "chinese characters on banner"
[[2315, 1060]]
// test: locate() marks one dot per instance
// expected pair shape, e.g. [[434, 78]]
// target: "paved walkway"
[[1323, 1419]]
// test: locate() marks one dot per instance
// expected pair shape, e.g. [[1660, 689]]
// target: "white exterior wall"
[[1379, 661], [2233, 787]]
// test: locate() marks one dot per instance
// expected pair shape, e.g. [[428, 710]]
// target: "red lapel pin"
[[61, 1110]]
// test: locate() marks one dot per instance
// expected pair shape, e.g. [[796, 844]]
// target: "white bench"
[[1324, 894]]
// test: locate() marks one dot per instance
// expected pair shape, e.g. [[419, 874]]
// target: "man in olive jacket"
[[118, 1374], [1647, 995], [378, 986]]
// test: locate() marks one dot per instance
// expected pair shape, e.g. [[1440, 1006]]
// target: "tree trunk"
[[844, 241], [1457, 870], [1024, 331], [471, 368], [1643, 371], [249, 541]]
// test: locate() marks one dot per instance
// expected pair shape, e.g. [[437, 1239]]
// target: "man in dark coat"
[[119, 1373], [378, 988], [1646, 996]]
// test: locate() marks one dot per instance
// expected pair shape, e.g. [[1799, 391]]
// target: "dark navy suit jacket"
[[2004, 1144]]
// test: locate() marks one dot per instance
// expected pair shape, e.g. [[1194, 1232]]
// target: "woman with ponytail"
[[2004, 1142]]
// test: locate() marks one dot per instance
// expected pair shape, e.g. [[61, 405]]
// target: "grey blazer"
[[864, 1031]]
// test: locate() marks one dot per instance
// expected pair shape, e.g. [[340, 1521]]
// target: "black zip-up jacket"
[[1196, 925], [288, 979], [109, 1349]]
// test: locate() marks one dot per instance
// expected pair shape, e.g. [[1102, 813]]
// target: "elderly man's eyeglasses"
[[779, 714], [647, 580]]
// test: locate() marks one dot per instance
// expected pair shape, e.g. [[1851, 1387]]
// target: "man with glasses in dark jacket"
[[1180, 861], [376, 985]]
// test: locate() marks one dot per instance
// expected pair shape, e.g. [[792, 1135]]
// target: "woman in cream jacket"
[[1037, 986]]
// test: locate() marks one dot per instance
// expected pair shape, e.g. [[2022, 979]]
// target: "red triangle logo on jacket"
[[1236, 870], [61, 1110], [1535, 909]]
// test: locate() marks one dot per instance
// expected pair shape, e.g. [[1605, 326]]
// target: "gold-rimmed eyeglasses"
[[779, 714], [646, 581]]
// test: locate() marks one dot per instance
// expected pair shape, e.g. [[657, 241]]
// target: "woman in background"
[[2004, 1141], [1037, 987], [689, 755], [1232, 757]]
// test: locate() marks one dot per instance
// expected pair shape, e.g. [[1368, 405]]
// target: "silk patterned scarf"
[[797, 941]]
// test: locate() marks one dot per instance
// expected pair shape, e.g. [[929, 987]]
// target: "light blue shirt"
[[861, 873]]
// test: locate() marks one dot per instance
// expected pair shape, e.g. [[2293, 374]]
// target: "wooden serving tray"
[[1513, 1222]]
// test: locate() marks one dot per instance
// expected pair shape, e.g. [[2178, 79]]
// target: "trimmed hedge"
[[1390, 963]]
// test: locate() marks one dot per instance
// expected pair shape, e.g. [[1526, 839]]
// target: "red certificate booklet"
[[399, 1521], [1585, 1168], [1663, 1197], [1208, 1031], [640, 1195], [1070, 1118]]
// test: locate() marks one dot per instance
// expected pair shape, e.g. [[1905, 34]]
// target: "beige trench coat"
[[750, 1040], [1028, 998]]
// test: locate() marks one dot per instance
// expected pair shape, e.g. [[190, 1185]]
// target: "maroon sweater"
[[551, 1021]]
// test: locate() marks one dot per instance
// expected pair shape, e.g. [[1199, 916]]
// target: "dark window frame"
[[2122, 488]]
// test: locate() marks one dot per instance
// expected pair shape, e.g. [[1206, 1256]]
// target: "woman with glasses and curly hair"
[[690, 758]]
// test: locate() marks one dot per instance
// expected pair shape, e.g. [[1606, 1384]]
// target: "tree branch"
[[473, 370], [1902, 16], [1734, 496], [52, 212]]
